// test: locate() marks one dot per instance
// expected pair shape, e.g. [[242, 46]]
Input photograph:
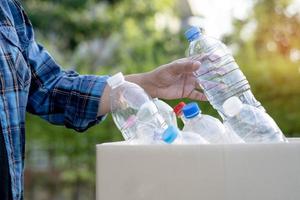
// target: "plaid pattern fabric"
[[30, 80]]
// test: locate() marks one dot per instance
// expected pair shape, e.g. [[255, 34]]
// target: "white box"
[[198, 172]]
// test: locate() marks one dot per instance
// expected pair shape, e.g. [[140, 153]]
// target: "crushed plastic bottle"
[[172, 135], [250, 123], [149, 122], [219, 75], [208, 127], [127, 100], [178, 111], [166, 112]]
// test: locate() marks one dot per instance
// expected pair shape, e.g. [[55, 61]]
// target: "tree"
[[270, 58]]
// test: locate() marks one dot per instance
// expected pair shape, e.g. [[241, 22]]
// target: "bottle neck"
[[116, 85], [195, 37], [192, 118]]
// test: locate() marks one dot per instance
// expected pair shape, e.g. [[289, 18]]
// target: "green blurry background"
[[104, 37]]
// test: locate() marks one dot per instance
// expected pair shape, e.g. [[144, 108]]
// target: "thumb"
[[184, 65]]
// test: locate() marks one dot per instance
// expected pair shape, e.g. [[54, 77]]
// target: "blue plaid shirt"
[[30, 80]]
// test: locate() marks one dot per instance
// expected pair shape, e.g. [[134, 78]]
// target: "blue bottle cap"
[[192, 33], [191, 110], [170, 134]]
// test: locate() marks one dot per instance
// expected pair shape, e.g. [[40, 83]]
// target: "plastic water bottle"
[[131, 107], [208, 127], [219, 75], [231, 136], [172, 135], [178, 111], [150, 122], [166, 112], [250, 123]]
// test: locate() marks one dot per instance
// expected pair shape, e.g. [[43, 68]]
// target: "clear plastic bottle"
[[131, 107], [150, 122], [178, 111], [219, 75], [166, 112], [172, 135], [208, 127], [250, 123]]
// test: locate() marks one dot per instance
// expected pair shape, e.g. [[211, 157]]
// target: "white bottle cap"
[[232, 106], [116, 80]]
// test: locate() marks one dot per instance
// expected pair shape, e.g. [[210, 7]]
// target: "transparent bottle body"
[[166, 112], [126, 100], [219, 76], [186, 137], [150, 122], [255, 126], [211, 129]]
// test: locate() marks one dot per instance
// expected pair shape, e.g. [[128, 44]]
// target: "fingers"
[[198, 96], [184, 65]]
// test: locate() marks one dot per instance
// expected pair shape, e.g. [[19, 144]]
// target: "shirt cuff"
[[87, 116]]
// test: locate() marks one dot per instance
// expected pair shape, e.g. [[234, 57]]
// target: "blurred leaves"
[[270, 59], [104, 37], [100, 37]]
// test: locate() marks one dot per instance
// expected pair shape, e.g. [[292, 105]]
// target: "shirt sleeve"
[[60, 97]]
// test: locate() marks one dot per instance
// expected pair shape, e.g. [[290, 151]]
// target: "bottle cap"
[[178, 108], [170, 134], [192, 33], [115, 80], [232, 106], [191, 110]]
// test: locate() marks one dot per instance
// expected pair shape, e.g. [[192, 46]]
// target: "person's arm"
[[171, 81], [80, 101], [60, 97]]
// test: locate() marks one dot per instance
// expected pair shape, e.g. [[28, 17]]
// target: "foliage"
[[128, 40], [270, 58], [63, 28]]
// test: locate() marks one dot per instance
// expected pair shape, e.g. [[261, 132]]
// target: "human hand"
[[173, 81]]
